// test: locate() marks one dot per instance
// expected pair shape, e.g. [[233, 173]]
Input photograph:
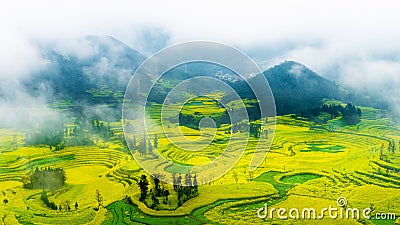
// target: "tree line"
[[185, 188], [56, 135], [350, 113], [47, 178], [144, 146]]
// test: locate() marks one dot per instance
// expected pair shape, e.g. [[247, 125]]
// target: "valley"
[[307, 165], [74, 159]]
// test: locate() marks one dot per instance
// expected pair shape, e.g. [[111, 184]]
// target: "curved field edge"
[[209, 194]]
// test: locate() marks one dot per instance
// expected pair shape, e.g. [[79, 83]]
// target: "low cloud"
[[355, 43]]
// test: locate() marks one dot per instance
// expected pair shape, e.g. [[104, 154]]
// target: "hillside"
[[296, 88], [87, 168], [100, 78], [106, 69]]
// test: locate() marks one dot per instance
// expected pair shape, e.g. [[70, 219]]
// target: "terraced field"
[[307, 166]]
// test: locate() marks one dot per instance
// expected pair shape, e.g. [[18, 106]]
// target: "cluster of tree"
[[145, 146], [144, 187], [51, 134], [48, 178], [159, 191], [78, 135], [58, 136], [240, 127], [105, 131], [255, 129], [333, 110], [350, 113], [186, 190], [193, 120]]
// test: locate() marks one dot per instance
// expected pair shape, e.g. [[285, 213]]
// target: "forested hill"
[[98, 73], [297, 88]]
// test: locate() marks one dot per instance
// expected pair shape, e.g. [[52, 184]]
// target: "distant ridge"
[[102, 76], [296, 87]]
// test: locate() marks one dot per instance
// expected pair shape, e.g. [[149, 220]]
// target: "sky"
[[355, 42]]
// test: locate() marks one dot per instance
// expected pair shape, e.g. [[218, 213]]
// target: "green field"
[[307, 166]]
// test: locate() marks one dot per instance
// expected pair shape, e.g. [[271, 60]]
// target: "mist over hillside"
[[88, 77], [297, 88], [98, 62]]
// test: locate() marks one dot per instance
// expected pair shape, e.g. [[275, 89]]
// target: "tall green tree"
[[99, 199], [144, 186]]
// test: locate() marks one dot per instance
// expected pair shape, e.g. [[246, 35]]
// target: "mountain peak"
[[292, 69], [106, 41], [296, 87], [79, 68], [108, 46], [290, 63]]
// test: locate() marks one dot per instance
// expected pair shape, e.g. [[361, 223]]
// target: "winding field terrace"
[[307, 166]]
